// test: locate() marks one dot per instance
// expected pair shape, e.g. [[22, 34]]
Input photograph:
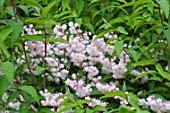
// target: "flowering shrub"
[[119, 63]]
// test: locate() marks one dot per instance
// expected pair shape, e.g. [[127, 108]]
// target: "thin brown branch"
[[29, 68], [160, 15], [14, 10]]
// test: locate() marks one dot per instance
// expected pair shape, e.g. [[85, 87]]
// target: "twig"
[[160, 15]]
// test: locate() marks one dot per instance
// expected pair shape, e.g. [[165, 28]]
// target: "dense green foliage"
[[142, 25]]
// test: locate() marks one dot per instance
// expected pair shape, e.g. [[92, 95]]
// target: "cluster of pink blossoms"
[[81, 53]]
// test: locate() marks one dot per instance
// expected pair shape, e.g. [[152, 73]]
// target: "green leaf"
[[79, 7], [145, 73], [23, 108], [89, 110], [48, 8], [155, 78], [4, 49], [65, 3], [39, 70], [118, 47], [144, 63], [58, 40], [4, 33], [12, 96], [30, 90], [90, 26], [24, 8], [123, 109], [122, 30], [134, 54], [79, 21], [167, 34], [8, 69], [68, 106], [4, 85], [9, 10], [38, 37], [165, 7], [17, 28], [102, 34], [32, 3], [79, 110], [112, 94], [99, 108], [1, 3], [45, 110], [124, 87]]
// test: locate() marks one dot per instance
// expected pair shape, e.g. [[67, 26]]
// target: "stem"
[[143, 8], [160, 15], [13, 5], [45, 44], [26, 60]]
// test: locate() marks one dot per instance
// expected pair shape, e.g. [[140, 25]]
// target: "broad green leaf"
[[124, 87], [159, 69], [89, 110], [99, 108], [165, 7], [118, 47], [167, 34], [144, 63], [90, 26], [38, 37], [17, 28], [4, 33], [79, 7], [79, 21], [116, 20], [3, 85], [67, 107], [45, 110], [30, 90], [155, 78], [25, 9], [65, 3], [145, 73], [58, 40], [24, 108], [39, 70], [9, 10], [134, 104], [48, 8], [63, 13], [35, 20], [4, 49], [8, 69], [122, 30], [167, 84], [112, 94], [79, 110], [32, 3], [102, 34], [1, 3], [123, 109], [134, 54]]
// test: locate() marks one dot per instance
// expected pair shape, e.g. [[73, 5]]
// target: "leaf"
[[145, 73], [68, 106], [99, 108], [123, 109], [165, 7], [122, 30], [112, 94], [17, 28], [58, 40], [79, 7], [48, 8], [39, 70], [38, 37], [79, 110], [134, 54], [9, 10], [24, 8], [90, 26], [155, 78], [118, 47], [4, 49], [32, 3], [65, 4], [23, 108], [30, 90], [4, 33], [4, 85], [12, 96], [167, 34], [8, 69], [79, 21], [144, 63], [1, 3], [102, 34], [45, 110]]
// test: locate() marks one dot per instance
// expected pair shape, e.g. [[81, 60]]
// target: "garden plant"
[[84, 56]]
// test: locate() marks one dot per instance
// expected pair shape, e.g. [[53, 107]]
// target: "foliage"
[[84, 56]]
